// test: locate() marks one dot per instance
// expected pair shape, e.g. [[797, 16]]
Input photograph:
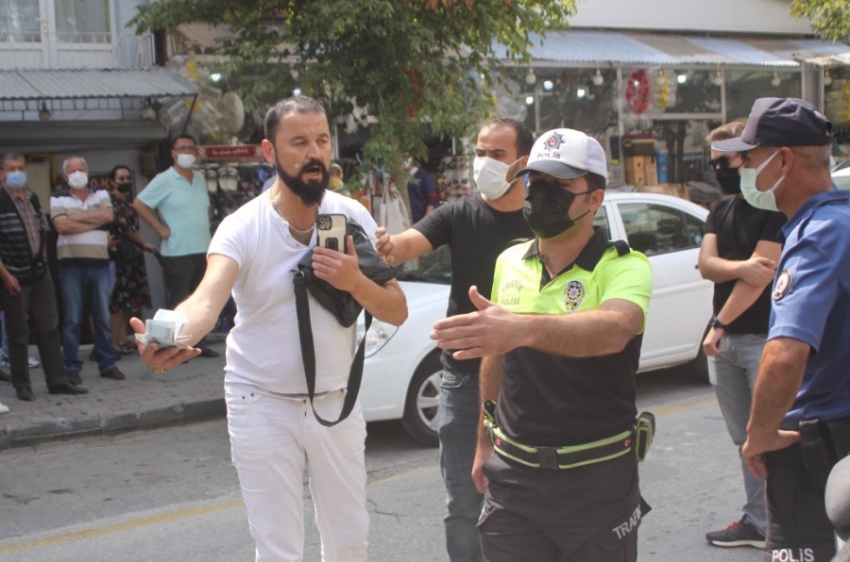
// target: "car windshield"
[[433, 267]]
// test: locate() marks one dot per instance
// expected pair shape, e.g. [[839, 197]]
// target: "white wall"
[[727, 16]]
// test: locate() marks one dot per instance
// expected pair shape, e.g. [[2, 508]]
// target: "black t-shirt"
[[476, 234], [739, 227]]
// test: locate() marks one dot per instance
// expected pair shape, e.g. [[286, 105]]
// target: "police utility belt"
[[637, 439], [823, 444]]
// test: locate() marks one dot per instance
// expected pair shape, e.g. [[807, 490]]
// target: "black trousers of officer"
[[585, 514], [798, 528]]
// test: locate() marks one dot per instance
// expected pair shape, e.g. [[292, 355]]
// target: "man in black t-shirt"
[[739, 253], [477, 229]]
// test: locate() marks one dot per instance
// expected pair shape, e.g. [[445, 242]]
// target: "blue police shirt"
[[811, 303]]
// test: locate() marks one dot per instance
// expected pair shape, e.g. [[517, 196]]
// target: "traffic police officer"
[[800, 421], [561, 341]]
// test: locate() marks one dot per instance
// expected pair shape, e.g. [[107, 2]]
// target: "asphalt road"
[[172, 494]]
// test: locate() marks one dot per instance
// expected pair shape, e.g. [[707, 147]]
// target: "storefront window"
[[575, 98], [837, 106], [19, 21], [83, 21], [743, 87]]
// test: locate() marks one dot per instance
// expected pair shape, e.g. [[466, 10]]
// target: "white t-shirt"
[[263, 348]]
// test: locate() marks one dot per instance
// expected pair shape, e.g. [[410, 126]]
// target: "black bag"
[[128, 251], [343, 306]]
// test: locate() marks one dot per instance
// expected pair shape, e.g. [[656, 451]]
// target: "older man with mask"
[[27, 295], [800, 421], [273, 432], [739, 254], [81, 217], [560, 337], [476, 229]]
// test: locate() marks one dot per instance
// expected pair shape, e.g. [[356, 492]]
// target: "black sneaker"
[[739, 533]]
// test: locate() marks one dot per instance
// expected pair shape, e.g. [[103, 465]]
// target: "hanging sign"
[[224, 151]]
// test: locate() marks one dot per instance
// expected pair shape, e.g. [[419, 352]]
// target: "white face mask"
[[759, 199], [78, 180], [185, 160], [489, 176]]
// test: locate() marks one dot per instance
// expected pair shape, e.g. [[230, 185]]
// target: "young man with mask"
[[81, 216], [179, 196], [560, 338], [274, 435], [739, 254], [476, 229], [27, 295], [800, 421]]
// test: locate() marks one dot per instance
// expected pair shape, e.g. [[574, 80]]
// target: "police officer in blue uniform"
[[800, 421]]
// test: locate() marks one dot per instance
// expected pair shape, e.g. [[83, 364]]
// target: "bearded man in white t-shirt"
[[273, 432]]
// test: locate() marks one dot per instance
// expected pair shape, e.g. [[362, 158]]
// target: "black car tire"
[[421, 422]]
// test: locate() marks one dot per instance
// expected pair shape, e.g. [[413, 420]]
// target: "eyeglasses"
[[721, 163]]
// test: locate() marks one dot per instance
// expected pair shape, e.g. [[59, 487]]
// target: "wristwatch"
[[715, 323]]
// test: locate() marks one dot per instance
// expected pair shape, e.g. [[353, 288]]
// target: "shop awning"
[[599, 47], [78, 136], [90, 84]]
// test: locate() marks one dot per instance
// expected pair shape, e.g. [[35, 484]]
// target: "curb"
[[58, 429]]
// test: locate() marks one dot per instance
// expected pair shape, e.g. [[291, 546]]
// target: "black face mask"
[[729, 180], [125, 188], [547, 209]]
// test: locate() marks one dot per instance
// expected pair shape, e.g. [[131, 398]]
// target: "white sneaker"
[[33, 361], [4, 409]]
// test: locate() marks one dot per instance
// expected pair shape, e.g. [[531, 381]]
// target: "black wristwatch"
[[715, 323]]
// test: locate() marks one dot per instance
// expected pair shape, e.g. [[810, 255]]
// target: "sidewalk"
[[188, 393]]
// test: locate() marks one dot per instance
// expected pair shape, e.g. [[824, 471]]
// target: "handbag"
[[345, 309], [128, 251]]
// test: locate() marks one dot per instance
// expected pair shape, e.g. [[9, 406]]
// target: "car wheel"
[[421, 406]]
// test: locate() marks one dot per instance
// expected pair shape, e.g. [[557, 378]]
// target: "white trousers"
[[272, 440]]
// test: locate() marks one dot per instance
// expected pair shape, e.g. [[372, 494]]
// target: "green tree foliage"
[[830, 18], [422, 66]]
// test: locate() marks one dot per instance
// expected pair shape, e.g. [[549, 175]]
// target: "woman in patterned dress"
[[126, 250]]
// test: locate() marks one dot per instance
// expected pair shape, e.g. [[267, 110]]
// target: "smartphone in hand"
[[331, 231]]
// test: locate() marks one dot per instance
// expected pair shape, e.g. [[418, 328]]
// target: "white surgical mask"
[[16, 180], [489, 176], [185, 160], [78, 180], [759, 199]]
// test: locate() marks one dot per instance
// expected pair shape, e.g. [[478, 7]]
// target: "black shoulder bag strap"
[[308, 354]]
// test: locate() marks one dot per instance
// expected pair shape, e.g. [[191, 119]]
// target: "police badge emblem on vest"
[[573, 295]]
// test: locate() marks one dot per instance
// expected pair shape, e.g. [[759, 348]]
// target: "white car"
[[401, 378], [841, 176]]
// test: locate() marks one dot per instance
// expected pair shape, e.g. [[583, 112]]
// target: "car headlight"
[[379, 334]]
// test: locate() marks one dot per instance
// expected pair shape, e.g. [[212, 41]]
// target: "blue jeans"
[[737, 367], [459, 412], [74, 281]]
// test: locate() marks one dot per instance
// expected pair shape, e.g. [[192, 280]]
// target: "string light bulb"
[[598, 79]]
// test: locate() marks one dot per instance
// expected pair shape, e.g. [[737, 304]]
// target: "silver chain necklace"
[[295, 231]]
